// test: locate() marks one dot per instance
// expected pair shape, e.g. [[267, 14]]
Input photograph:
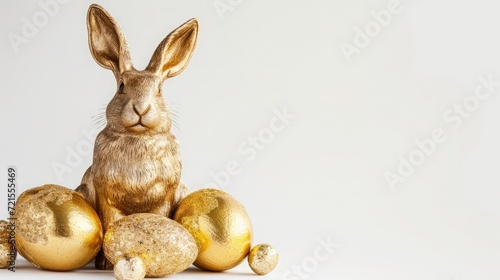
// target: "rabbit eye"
[[120, 88]]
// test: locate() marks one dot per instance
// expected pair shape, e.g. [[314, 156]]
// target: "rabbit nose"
[[141, 110]]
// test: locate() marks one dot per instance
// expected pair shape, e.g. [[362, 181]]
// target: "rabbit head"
[[138, 106]]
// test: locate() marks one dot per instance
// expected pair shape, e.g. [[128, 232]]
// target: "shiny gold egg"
[[57, 229], [148, 245], [263, 258], [220, 226], [8, 250]]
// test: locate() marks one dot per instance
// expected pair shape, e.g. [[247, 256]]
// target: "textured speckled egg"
[[148, 245], [57, 229], [263, 258], [219, 224], [8, 251]]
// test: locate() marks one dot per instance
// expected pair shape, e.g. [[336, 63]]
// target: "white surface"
[[27, 271], [322, 175]]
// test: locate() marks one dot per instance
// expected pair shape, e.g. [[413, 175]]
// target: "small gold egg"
[[148, 245], [57, 229], [8, 252], [219, 224], [263, 258]]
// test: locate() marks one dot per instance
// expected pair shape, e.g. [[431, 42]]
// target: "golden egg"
[[220, 226], [57, 229], [8, 251], [263, 258], [148, 245]]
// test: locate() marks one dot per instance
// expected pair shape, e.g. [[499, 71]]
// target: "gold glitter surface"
[[4, 257], [130, 269], [5, 246], [263, 259], [57, 229], [163, 245], [220, 226]]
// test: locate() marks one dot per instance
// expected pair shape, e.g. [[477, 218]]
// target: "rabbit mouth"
[[138, 127]]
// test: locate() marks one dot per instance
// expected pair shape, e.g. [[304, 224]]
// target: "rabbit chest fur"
[[137, 174]]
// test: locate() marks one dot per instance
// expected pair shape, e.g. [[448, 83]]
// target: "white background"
[[322, 176]]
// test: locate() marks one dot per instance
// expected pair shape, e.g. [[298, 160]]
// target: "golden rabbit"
[[136, 164]]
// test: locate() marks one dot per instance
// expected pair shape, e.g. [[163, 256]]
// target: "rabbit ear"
[[174, 52], [106, 41]]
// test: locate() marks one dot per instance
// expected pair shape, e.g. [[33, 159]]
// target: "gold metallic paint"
[[71, 234], [263, 258], [220, 226]]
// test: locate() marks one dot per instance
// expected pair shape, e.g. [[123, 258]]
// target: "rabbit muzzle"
[[140, 116]]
